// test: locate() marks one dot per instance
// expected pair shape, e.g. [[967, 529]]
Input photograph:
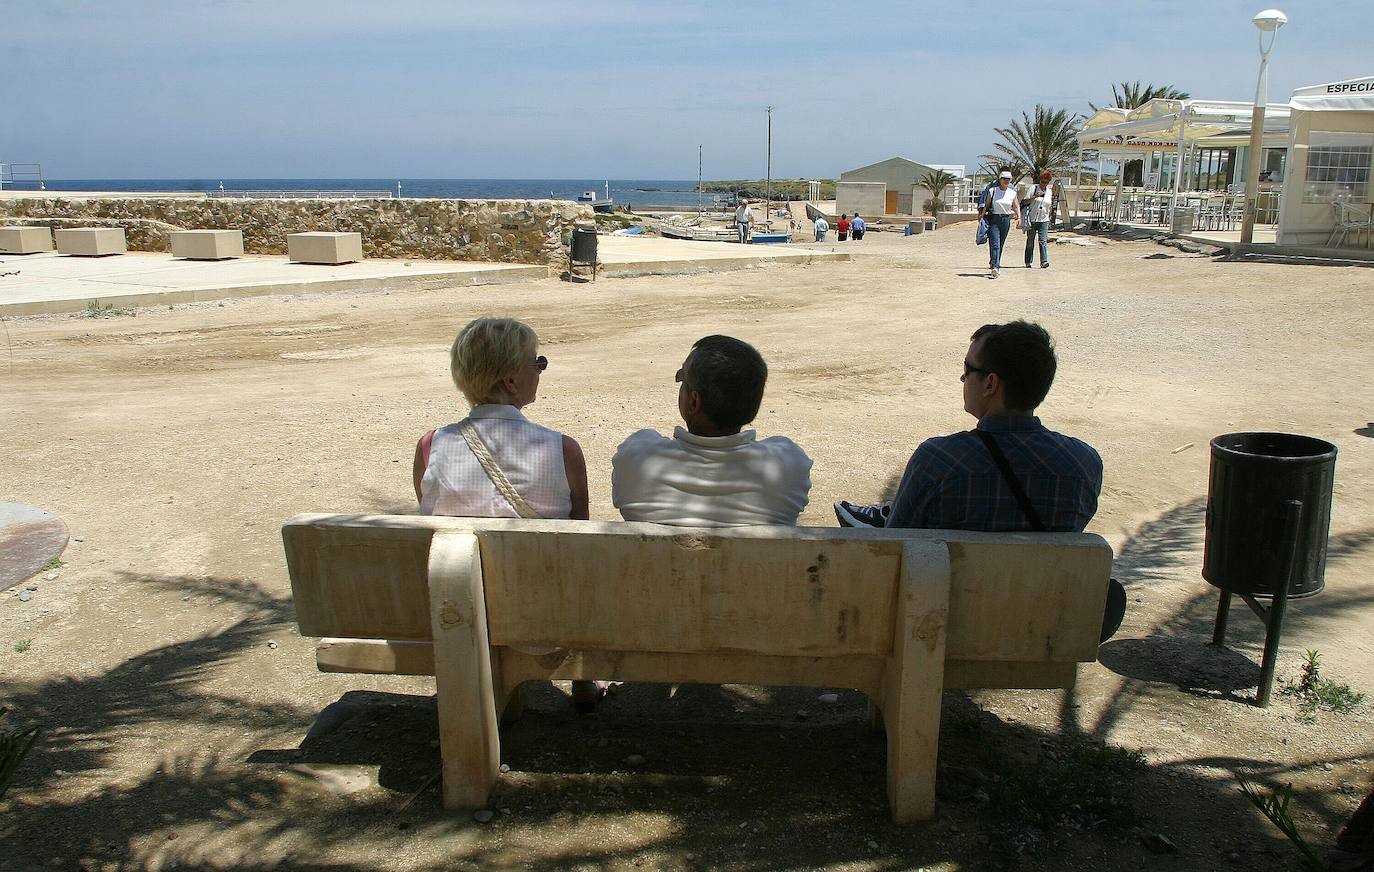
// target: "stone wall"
[[506, 231]]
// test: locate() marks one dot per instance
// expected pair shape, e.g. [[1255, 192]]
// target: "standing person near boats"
[[842, 227], [822, 226], [743, 219], [1039, 207], [1000, 206]]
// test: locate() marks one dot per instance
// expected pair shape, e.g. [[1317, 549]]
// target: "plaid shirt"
[[952, 482]]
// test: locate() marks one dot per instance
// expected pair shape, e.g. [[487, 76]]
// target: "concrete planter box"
[[91, 241], [25, 240], [320, 247], [207, 244]]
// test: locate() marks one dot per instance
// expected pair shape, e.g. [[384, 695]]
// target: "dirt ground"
[[175, 694]]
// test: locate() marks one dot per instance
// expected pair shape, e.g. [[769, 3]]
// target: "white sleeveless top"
[[1003, 202], [531, 456]]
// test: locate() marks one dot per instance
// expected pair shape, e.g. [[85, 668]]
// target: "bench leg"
[[468, 740], [914, 681]]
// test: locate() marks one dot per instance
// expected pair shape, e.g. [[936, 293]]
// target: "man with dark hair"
[[1010, 473], [956, 482], [713, 473]]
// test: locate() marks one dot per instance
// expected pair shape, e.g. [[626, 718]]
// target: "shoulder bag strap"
[[1010, 478], [493, 470]]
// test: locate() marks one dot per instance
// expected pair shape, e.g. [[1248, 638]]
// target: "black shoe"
[[586, 694], [851, 515], [1115, 610]]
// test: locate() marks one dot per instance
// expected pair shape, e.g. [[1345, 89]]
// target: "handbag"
[[493, 470], [981, 236]]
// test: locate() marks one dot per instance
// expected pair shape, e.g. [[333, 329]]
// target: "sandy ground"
[[163, 664]]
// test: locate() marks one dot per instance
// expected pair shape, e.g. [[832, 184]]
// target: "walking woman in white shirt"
[[496, 463], [1000, 207]]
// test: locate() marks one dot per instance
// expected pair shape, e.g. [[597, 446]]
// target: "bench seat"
[[898, 614]]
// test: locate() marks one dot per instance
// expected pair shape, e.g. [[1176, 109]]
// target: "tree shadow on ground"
[[669, 777], [1178, 650]]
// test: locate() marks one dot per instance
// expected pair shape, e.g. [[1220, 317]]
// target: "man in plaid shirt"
[[953, 482], [1010, 473]]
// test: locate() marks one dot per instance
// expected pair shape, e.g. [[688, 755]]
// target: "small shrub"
[[95, 310], [1315, 692], [14, 747], [22, 645], [1275, 807], [54, 563]]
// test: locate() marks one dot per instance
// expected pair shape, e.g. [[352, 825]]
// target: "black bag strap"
[[1012, 482]]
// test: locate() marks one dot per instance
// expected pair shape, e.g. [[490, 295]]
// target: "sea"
[[674, 193]]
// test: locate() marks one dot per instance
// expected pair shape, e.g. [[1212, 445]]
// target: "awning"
[[1161, 124], [1352, 95]]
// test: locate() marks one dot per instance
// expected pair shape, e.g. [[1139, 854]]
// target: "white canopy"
[[1352, 95], [1161, 123]]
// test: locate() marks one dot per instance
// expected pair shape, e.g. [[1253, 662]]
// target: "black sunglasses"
[[541, 363], [968, 368]]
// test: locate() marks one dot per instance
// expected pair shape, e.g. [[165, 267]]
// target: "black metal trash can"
[[1253, 476], [584, 245]]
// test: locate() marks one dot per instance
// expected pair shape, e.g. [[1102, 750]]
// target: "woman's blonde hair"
[[486, 351]]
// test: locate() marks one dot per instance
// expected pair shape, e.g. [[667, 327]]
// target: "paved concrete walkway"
[[50, 282], [46, 283]]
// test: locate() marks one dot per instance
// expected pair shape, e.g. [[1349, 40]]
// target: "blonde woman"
[[496, 463], [496, 365]]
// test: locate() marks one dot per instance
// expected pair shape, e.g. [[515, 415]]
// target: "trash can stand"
[[1268, 518]]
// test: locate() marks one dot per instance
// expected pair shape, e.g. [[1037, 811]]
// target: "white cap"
[[1004, 175]]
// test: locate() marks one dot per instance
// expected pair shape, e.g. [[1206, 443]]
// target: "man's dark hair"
[[730, 375], [1022, 354]]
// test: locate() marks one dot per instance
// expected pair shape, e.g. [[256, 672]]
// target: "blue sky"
[[600, 89]]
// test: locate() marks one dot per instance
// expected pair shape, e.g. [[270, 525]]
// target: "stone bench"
[[25, 240], [320, 247], [898, 614], [91, 241], [207, 244]]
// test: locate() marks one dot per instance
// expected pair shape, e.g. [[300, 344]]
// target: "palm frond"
[[1048, 141], [1133, 95]]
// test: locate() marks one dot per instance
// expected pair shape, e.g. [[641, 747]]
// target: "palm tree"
[[1133, 95], [936, 181], [1046, 142]]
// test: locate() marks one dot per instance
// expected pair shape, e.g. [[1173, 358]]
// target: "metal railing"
[[21, 173], [306, 195]]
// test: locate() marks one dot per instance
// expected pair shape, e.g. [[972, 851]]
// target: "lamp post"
[[1269, 21]]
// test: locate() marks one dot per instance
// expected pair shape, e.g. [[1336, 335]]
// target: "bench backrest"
[[818, 592]]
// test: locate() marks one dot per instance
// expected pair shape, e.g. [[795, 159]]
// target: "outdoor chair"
[[1348, 218]]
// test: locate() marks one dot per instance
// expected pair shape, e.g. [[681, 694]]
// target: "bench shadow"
[[730, 777]]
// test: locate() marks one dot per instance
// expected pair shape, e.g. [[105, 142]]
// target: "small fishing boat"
[[678, 227], [769, 237], [597, 204]]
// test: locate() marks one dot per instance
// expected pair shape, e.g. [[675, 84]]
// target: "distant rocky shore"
[[779, 189]]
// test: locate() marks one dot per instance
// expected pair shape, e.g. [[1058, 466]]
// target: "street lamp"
[[1269, 21]]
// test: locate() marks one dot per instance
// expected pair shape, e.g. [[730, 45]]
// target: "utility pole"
[[768, 183], [700, 209]]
